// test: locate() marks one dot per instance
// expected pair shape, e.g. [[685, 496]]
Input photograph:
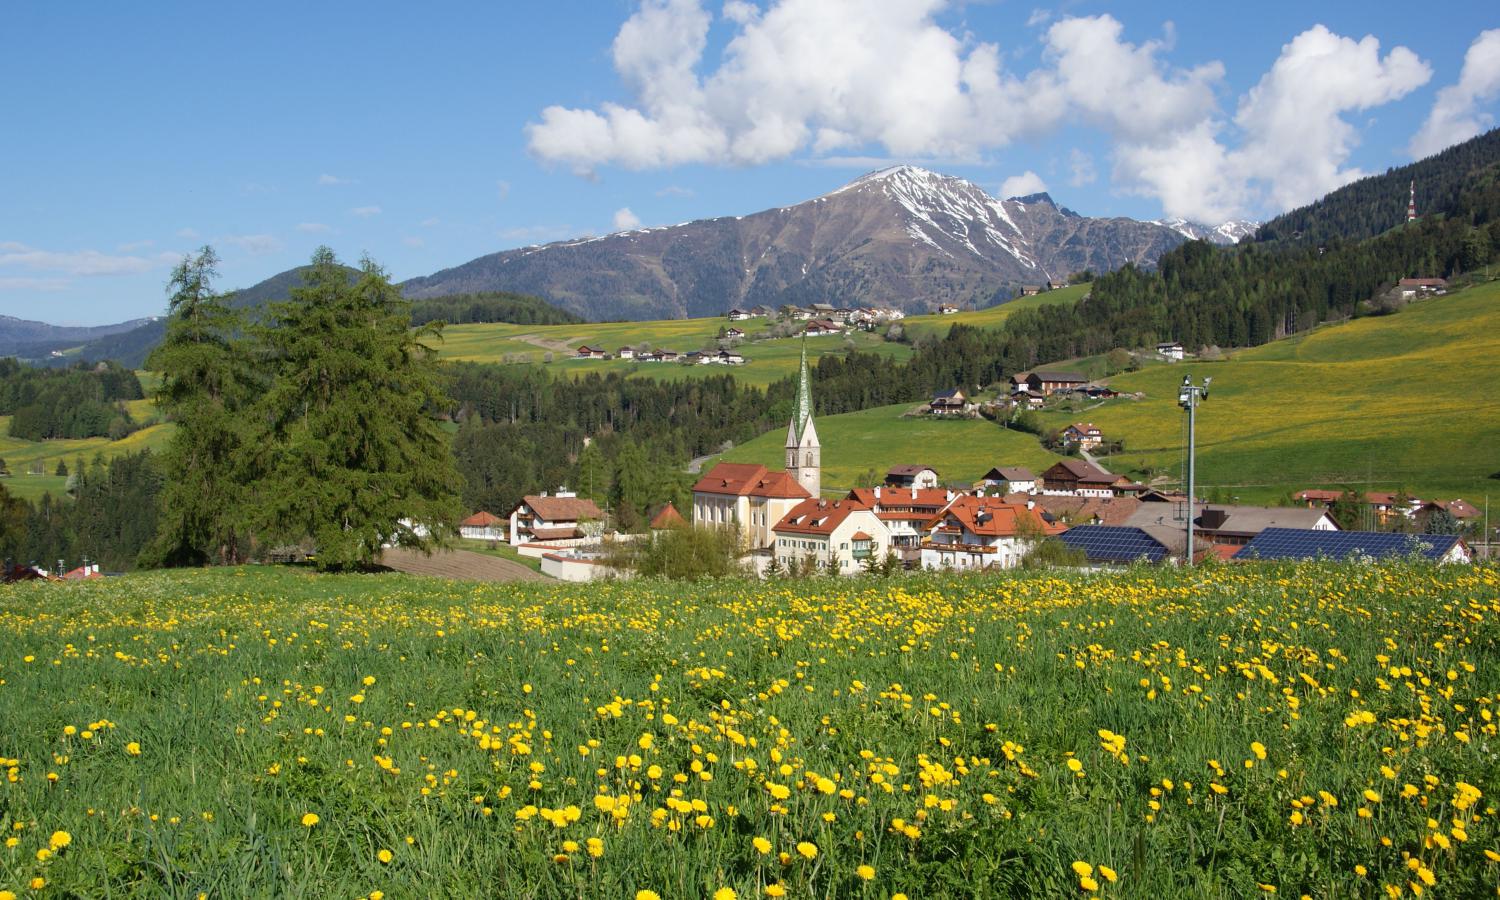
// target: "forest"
[[82, 401]]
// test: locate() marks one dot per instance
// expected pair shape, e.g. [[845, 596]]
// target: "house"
[[947, 309], [906, 513], [823, 309], [1010, 480], [1380, 507], [1052, 382], [1087, 510], [983, 533], [626, 353], [730, 358], [911, 477], [698, 358], [1171, 350], [1463, 512], [747, 496], [951, 402], [1421, 287], [1028, 399], [587, 352], [1021, 381], [734, 333], [1230, 525], [1030, 290], [666, 356], [483, 526], [819, 327], [1119, 545], [1300, 544], [839, 535], [1056, 284], [1080, 478], [763, 312], [1085, 436], [559, 517], [667, 517], [1099, 392], [738, 315]]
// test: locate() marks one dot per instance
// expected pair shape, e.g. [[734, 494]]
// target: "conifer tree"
[[205, 387], [347, 448]]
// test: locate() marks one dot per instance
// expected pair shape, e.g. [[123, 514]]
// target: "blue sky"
[[428, 135]]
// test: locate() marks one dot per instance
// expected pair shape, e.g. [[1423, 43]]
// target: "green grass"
[[1403, 401], [174, 734], [853, 443], [990, 317], [20, 454]]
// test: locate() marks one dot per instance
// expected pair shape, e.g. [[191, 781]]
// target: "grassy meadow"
[[1225, 732], [853, 443], [20, 454], [1410, 400]]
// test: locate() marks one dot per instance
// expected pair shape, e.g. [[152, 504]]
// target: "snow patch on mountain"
[[1225, 233]]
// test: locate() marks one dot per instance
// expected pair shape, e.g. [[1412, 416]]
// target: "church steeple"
[[803, 452]]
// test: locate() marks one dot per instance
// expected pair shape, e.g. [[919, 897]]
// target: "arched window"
[[809, 461]]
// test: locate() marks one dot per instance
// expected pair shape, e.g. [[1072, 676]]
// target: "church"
[[781, 515]]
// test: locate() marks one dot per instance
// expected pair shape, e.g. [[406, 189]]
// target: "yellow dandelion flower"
[[310, 819], [866, 872], [59, 840], [385, 856], [808, 849], [725, 893]]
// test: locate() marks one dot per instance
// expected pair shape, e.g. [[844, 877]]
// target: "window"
[[863, 549]]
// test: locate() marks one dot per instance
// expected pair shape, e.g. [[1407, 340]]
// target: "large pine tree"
[[348, 452], [205, 387]]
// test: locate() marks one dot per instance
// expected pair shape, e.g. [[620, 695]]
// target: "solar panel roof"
[[1302, 543], [1114, 543]]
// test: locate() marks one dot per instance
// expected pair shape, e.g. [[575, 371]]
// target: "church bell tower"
[[804, 455]]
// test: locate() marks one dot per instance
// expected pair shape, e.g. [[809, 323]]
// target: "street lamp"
[[1188, 397]]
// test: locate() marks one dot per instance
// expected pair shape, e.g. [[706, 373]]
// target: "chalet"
[[698, 358], [1027, 399], [1087, 510], [1056, 284], [838, 535], [819, 327], [1020, 381], [559, 517], [748, 496], [1030, 290], [906, 513], [730, 358], [587, 352], [1462, 511], [734, 333], [983, 533], [1079, 478], [1421, 287], [1085, 436], [667, 517], [483, 526], [798, 313], [626, 353], [763, 312], [1099, 392], [823, 309], [911, 477], [947, 309], [951, 402], [1053, 382], [1010, 480], [1171, 350], [1231, 526], [666, 356], [738, 315]]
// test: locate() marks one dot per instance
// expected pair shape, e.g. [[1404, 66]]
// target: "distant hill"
[[1373, 205], [25, 338], [903, 236]]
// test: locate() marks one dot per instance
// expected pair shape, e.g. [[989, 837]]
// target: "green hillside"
[[992, 316], [1410, 400], [20, 454], [854, 443]]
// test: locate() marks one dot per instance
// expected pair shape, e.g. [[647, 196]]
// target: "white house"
[[483, 526], [1171, 350], [558, 517], [1010, 480], [984, 533], [838, 535], [911, 477]]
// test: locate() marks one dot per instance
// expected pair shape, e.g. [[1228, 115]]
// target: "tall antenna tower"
[[1411, 203]]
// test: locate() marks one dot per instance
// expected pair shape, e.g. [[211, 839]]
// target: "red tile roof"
[[481, 519], [813, 516], [749, 480], [667, 517], [988, 517], [562, 509]]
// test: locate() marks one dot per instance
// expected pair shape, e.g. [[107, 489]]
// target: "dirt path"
[[545, 343], [464, 565]]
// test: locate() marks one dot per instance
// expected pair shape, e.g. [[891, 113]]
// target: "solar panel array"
[[1114, 543], [1302, 543]]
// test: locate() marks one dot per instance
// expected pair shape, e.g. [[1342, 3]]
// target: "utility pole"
[[1188, 397]]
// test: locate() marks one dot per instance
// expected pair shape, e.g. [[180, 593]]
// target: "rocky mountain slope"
[[902, 236]]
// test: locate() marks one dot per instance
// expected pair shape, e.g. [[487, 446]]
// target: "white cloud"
[[829, 81], [1026, 183], [34, 284], [1081, 165], [326, 179], [1454, 116], [313, 228], [253, 244], [71, 262], [625, 220], [413, 241], [1039, 17], [365, 212]]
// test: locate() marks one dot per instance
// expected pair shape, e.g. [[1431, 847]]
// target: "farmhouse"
[[1079, 478], [1056, 284], [1051, 382], [951, 402], [947, 309], [818, 327], [1421, 287], [983, 533], [558, 517], [1085, 436], [587, 352], [763, 312], [911, 477], [729, 358], [483, 526], [1010, 480], [1171, 350], [738, 315], [839, 535], [1030, 290], [626, 353], [734, 333], [1028, 399]]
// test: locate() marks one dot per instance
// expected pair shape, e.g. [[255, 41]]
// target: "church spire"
[[803, 452], [804, 393]]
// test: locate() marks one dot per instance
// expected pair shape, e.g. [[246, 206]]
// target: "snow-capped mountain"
[[902, 236], [1224, 234]]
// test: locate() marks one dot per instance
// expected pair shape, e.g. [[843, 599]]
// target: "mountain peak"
[[1039, 197]]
